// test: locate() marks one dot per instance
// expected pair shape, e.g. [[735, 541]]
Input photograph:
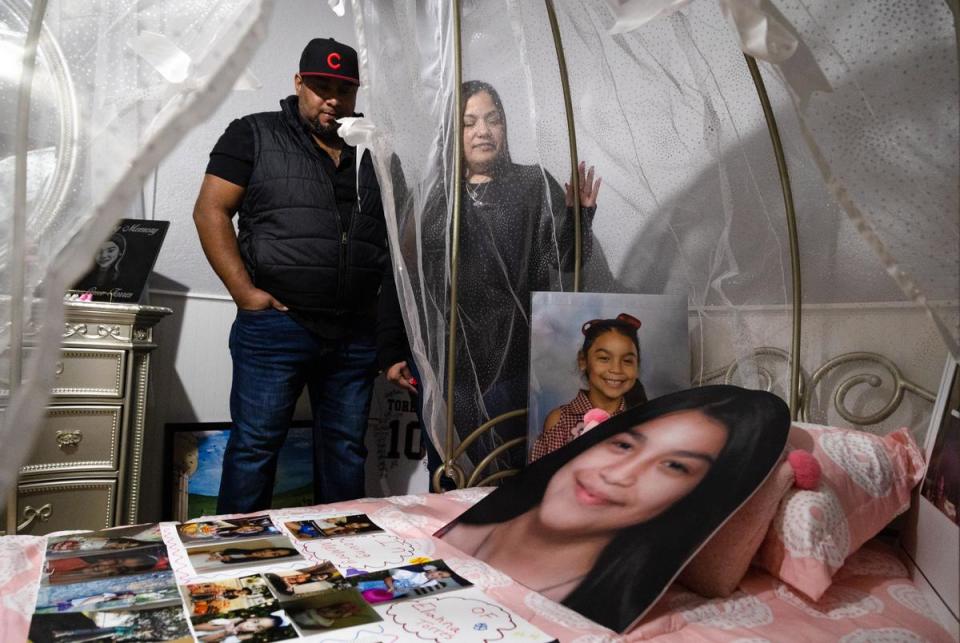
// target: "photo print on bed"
[[309, 580], [331, 610], [254, 625], [161, 624], [249, 609], [223, 556], [77, 568], [604, 523], [114, 584], [211, 531], [410, 581], [104, 541], [157, 589], [332, 526], [222, 596]]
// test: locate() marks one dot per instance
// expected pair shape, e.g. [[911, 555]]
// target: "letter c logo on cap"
[[333, 61]]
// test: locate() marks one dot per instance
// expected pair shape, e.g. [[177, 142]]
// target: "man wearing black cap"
[[304, 271]]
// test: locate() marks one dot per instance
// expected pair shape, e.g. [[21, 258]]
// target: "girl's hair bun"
[[623, 318], [629, 320]]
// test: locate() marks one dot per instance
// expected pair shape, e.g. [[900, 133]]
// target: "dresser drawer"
[[44, 507], [76, 438], [83, 372]]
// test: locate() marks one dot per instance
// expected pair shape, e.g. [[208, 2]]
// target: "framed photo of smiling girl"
[[604, 523], [604, 351]]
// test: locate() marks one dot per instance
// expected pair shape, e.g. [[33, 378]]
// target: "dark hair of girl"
[[121, 244], [626, 325], [472, 87], [638, 564]]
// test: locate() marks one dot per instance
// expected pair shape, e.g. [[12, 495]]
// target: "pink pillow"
[[866, 482], [721, 564]]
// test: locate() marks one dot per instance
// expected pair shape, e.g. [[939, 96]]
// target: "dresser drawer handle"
[[30, 514], [58, 371], [67, 439]]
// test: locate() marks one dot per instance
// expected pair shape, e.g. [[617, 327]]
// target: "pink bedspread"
[[872, 599]]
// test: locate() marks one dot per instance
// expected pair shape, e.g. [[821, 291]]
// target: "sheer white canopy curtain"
[[663, 105], [93, 95]]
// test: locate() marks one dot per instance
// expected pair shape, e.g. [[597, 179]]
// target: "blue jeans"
[[274, 357]]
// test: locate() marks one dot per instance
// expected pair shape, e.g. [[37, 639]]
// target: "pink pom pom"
[[593, 417], [806, 469]]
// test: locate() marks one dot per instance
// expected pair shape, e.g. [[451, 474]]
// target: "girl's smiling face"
[[610, 365], [107, 254], [633, 476]]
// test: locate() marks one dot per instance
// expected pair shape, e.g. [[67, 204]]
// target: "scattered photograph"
[[77, 569], [227, 529], [602, 545], [411, 581], [254, 625], [224, 596], [346, 525], [304, 529], [248, 553], [105, 540], [310, 580], [120, 626], [332, 610], [146, 590]]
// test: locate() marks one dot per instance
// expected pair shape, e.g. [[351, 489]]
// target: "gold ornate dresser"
[[84, 472]]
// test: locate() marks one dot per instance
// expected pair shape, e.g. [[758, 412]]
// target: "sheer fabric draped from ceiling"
[[117, 84], [866, 101]]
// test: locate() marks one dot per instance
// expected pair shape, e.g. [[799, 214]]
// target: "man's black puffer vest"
[[290, 234]]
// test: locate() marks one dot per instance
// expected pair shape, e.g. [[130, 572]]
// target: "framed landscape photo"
[[124, 261], [194, 464]]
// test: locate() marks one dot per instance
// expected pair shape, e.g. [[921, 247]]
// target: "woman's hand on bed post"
[[589, 189]]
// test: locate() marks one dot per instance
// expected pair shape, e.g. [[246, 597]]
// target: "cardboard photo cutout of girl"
[[604, 524]]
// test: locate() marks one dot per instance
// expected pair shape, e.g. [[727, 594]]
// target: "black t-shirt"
[[232, 160], [232, 156]]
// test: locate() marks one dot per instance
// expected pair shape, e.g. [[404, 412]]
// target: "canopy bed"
[[778, 163]]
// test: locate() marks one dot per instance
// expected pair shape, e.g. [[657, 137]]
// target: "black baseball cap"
[[327, 57]]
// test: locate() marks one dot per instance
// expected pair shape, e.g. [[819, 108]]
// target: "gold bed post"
[[450, 469], [791, 229], [454, 241], [572, 139]]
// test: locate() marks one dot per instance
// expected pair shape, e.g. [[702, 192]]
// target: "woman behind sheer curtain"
[[516, 236]]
